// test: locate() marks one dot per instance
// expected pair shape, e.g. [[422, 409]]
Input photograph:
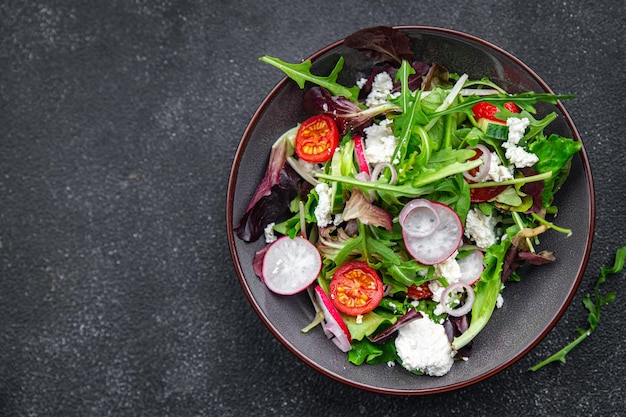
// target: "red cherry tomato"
[[356, 288], [419, 292], [317, 139], [484, 110], [478, 195]]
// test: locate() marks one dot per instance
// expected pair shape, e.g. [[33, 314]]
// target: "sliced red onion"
[[469, 301], [483, 170], [419, 218], [378, 169]]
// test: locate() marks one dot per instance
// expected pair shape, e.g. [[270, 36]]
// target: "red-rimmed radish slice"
[[359, 149], [480, 173], [419, 218], [471, 267], [290, 265], [334, 327], [452, 290], [439, 245]]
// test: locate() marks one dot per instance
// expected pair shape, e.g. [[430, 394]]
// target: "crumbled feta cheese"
[[516, 154], [359, 319], [269, 233], [481, 228], [324, 204], [380, 143], [381, 88], [436, 288], [391, 364], [497, 171], [499, 301], [449, 269], [517, 127], [519, 156], [423, 345], [361, 82]]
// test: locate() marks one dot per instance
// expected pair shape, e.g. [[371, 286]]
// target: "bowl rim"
[[232, 183]]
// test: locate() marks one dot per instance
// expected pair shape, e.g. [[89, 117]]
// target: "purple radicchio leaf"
[[437, 75], [391, 331], [346, 113], [381, 43], [456, 326], [273, 207], [539, 258], [511, 262], [270, 202], [358, 207], [257, 262], [534, 189]]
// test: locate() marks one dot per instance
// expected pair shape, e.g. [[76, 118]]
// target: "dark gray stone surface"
[[118, 124]]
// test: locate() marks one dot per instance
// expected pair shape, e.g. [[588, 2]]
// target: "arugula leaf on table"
[[301, 73], [593, 306]]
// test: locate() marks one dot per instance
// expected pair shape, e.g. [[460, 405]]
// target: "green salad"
[[403, 204]]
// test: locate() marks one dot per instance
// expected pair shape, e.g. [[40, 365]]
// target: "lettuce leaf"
[[554, 154]]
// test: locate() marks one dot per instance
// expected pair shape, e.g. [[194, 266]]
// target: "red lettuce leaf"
[[270, 202], [382, 43]]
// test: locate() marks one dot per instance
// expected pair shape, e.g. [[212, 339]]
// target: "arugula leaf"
[[593, 306], [301, 73], [523, 100]]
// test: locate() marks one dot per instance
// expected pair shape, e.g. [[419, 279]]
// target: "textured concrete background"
[[118, 124]]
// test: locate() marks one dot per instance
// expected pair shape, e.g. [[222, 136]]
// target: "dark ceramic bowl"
[[531, 307]]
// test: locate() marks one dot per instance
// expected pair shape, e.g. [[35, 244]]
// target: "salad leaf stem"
[[514, 181], [520, 223], [593, 306], [553, 226], [417, 188], [524, 100]]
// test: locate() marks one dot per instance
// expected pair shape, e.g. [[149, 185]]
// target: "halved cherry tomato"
[[419, 292], [478, 195], [356, 288], [317, 139], [484, 110]]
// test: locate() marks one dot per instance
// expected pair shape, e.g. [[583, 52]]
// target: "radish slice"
[[471, 267], [359, 149], [290, 265], [483, 170], [451, 290], [439, 245], [334, 328], [419, 218]]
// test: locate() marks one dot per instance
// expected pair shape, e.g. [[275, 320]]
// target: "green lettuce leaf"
[[554, 154]]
